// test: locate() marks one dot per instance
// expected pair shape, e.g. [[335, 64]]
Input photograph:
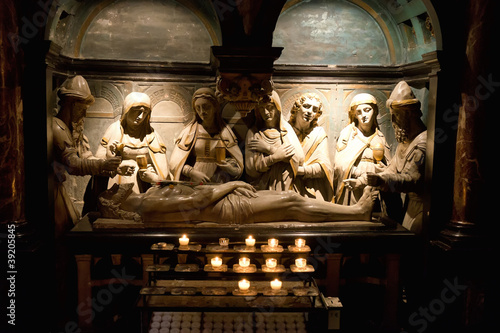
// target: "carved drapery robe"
[[317, 181], [354, 157], [278, 176], [194, 145], [151, 146]]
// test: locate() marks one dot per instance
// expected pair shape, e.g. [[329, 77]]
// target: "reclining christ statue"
[[234, 202]]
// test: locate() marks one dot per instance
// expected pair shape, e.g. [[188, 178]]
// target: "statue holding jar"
[[361, 148], [206, 151], [143, 153]]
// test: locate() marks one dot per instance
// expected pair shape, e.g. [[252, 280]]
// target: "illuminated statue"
[[315, 177], [230, 203], [405, 172], [207, 149], [71, 148], [273, 152], [361, 148], [144, 159]]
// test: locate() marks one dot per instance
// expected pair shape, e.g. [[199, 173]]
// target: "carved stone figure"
[[273, 152], [207, 149], [405, 172], [230, 203], [143, 153], [361, 148], [315, 177], [71, 148]]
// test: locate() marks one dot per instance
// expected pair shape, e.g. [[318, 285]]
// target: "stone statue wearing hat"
[[361, 148], [143, 152], [405, 172], [71, 148]]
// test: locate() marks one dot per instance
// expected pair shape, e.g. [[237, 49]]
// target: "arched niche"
[[153, 30], [356, 32]]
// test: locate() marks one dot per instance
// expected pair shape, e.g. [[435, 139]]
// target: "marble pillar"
[[11, 119], [478, 92]]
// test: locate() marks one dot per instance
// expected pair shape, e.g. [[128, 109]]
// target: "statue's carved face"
[[79, 110], [205, 109], [308, 110], [364, 115], [400, 123], [269, 113], [137, 115]]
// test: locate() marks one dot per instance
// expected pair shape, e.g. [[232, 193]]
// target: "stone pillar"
[[480, 85], [11, 119]]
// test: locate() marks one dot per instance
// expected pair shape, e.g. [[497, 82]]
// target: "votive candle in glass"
[[276, 284], [250, 241], [300, 242], [244, 262], [271, 262], [184, 240], [300, 262], [216, 262], [272, 242], [244, 284]]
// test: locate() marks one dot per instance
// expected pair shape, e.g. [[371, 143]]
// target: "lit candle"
[[244, 284], [276, 284], [244, 262], [299, 242], [300, 262], [184, 240], [272, 242], [250, 241], [216, 262], [271, 262]]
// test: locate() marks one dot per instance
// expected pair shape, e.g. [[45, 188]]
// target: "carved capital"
[[244, 91], [244, 74]]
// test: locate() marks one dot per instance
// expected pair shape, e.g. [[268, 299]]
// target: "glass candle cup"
[[300, 242], [300, 262], [276, 284], [272, 242], [250, 241], [271, 262], [216, 262], [184, 240], [244, 284], [244, 262]]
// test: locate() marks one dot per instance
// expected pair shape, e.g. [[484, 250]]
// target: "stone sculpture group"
[[287, 168]]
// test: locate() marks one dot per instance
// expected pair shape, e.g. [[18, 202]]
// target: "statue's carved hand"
[[260, 146], [126, 168], [373, 179], [148, 175], [230, 166], [243, 191], [284, 153], [300, 170], [241, 184], [111, 164], [199, 177], [352, 183], [113, 147]]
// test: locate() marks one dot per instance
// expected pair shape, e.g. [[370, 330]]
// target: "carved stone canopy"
[[244, 75]]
